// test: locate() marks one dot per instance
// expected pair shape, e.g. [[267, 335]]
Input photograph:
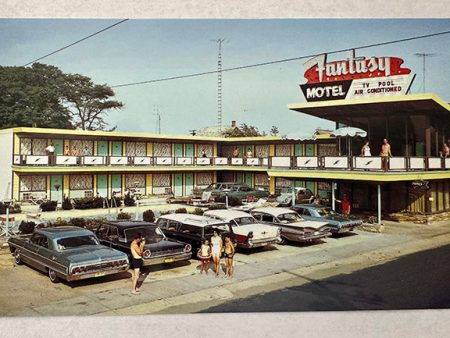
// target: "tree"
[[43, 96], [32, 97], [88, 103], [274, 131], [241, 131]]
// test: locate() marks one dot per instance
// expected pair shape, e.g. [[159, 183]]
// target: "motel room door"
[[57, 194], [102, 185], [59, 146], [116, 183], [178, 185], [102, 148], [116, 148], [188, 183], [178, 150], [189, 150]]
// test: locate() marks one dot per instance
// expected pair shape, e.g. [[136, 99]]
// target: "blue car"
[[339, 223]]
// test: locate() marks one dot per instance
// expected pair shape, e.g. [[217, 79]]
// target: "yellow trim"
[[110, 148], [66, 144], [122, 176], [15, 186], [124, 148], [108, 134], [148, 184], [66, 186], [361, 176], [149, 149], [95, 148], [215, 149], [324, 137], [49, 188], [109, 186], [271, 149], [272, 185], [214, 176], [399, 98], [94, 183], [16, 144]]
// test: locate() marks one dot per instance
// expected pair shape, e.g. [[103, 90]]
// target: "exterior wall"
[[6, 183]]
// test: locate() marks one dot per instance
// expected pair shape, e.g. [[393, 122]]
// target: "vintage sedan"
[[339, 223], [238, 190], [193, 229], [158, 248], [248, 232], [302, 195], [293, 227], [67, 252]]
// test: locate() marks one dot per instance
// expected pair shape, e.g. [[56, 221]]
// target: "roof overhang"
[[403, 105]]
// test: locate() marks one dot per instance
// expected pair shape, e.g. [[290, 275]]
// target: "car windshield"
[[151, 234], [244, 220], [290, 217], [325, 212], [74, 242]]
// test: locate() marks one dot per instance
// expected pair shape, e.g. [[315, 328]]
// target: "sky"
[[148, 49]]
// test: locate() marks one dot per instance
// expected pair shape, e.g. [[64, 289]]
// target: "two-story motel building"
[[101, 163]]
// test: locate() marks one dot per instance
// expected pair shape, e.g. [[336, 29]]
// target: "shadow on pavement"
[[416, 281]]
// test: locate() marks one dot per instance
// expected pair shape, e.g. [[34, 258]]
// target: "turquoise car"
[[67, 252]]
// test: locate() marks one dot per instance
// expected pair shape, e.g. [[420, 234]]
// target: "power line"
[[76, 42], [279, 61]]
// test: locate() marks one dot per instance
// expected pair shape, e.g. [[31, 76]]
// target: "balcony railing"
[[355, 163]]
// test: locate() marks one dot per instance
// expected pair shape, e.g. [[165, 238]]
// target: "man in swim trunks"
[[136, 248], [385, 153], [229, 254]]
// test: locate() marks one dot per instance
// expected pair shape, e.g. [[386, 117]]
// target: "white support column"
[[293, 193], [333, 195], [379, 203]]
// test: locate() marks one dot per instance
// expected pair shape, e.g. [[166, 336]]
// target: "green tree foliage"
[[44, 96], [32, 97], [241, 131], [274, 131]]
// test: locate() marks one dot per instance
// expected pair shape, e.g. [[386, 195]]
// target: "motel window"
[[81, 182]]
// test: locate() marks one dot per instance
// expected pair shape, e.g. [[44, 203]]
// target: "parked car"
[[67, 252], [192, 229], [158, 248], [249, 233], [302, 195], [339, 223], [238, 190], [293, 227]]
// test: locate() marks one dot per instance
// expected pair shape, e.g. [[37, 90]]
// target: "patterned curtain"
[[281, 182], [283, 150], [81, 182], [226, 151], [204, 178], [135, 181], [327, 149], [136, 148], [38, 146], [25, 146], [162, 149], [33, 183], [208, 150], [130, 148], [262, 150], [161, 180], [261, 180]]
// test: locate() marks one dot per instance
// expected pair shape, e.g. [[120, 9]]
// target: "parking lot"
[[179, 288]]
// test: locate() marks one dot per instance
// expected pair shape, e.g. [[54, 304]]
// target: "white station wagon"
[[246, 229]]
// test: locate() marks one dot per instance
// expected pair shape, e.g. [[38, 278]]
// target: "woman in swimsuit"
[[205, 255], [216, 249], [229, 253]]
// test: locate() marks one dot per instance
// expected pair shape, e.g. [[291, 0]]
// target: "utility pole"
[[219, 82], [424, 56], [158, 119]]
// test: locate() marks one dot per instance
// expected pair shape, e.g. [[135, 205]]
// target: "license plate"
[[168, 260], [99, 274]]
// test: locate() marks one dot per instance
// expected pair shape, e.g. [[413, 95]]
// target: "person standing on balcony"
[[86, 151], [445, 150], [385, 153], [51, 153], [236, 152], [203, 153], [365, 150], [67, 151], [249, 153]]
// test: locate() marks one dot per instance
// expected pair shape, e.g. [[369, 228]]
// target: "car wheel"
[[283, 241], [17, 257], [52, 275]]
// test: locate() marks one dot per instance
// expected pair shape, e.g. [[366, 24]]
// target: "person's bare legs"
[[135, 278], [216, 265]]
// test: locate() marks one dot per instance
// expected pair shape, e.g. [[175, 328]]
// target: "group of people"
[[214, 249], [385, 152], [237, 152]]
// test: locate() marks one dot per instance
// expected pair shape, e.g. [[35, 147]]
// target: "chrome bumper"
[[70, 278], [313, 236], [167, 258], [259, 243]]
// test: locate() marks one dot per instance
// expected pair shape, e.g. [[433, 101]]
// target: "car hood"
[[92, 253], [307, 224], [164, 245], [260, 231]]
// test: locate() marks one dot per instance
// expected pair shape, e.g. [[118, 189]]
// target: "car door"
[[29, 253], [102, 234], [49, 257]]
